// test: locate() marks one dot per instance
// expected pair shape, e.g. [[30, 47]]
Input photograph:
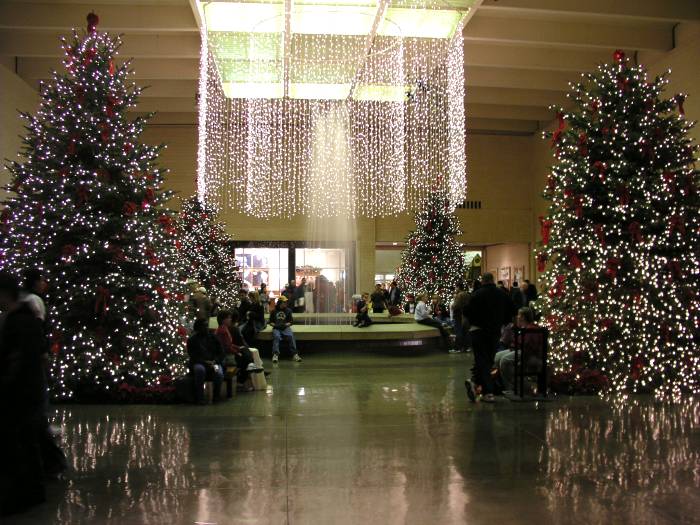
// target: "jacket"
[[489, 308]]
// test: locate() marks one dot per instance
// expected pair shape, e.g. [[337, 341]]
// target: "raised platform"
[[335, 332]]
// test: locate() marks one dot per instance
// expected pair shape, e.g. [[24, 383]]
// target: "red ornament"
[[55, 348], [111, 68], [92, 21], [619, 55], [182, 331]]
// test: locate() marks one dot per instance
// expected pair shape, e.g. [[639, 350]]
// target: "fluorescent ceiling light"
[[332, 20], [244, 17], [420, 23]]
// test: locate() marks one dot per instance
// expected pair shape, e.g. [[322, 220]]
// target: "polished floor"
[[373, 439]]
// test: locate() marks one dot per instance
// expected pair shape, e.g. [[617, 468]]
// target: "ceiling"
[[519, 54]]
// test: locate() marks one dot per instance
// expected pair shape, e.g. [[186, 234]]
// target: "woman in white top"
[[423, 315]]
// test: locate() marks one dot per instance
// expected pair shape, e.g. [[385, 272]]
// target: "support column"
[[365, 250]]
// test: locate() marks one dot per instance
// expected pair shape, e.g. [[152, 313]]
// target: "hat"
[[282, 299]]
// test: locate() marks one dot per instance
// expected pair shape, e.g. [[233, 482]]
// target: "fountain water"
[[330, 195]]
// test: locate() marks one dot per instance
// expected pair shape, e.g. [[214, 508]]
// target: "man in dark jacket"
[[22, 395], [281, 320], [488, 310], [394, 298], [206, 360]]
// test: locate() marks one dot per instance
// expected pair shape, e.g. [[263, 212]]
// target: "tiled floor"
[[377, 439]]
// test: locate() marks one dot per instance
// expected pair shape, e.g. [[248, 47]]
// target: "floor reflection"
[[377, 439], [643, 459]]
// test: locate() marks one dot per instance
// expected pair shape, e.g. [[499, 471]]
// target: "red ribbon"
[[574, 259], [541, 262], [676, 223], [102, 301], [141, 301], [545, 228], [558, 289], [612, 267], [600, 167], [557, 134], [635, 230], [165, 221], [598, 228], [679, 99], [624, 195], [130, 208], [583, 144]]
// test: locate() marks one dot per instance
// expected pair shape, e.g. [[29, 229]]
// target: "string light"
[[622, 235], [86, 211], [361, 102]]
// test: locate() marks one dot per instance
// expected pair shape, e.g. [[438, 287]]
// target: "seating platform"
[[335, 331]]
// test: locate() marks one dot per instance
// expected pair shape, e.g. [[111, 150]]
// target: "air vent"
[[470, 205]]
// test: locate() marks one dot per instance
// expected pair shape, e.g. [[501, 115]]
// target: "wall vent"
[[470, 205]]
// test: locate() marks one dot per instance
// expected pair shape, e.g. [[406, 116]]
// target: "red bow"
[[165, 221], [102, 301], [541, 262], [163, 292], [675, 269], [82, 193], [637, 366], [583, 144], [623, 194], [670, 180], [557, 134]]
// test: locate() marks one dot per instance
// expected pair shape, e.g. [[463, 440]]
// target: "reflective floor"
[[377, 439]]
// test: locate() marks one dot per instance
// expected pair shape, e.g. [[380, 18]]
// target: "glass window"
[[324, 271], [264, 265]]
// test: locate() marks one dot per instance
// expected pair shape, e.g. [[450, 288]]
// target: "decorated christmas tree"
[[432, 261], [207, 252], [87, 210], [622, 236]]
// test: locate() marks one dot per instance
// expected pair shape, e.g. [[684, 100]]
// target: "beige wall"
[[386, 261], [512, 256], [15, 95]]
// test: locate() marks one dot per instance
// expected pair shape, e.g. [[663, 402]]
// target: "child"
[[362, 318]]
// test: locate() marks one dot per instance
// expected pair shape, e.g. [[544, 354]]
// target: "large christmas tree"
[[622, 234], [207, 252], [86, 210], [432, 261]]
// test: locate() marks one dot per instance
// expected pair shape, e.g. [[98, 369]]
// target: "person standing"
[[264, 298], [299, 295], [22, 401], [281, 320], [459, 310], [378, 300], [517, 296], [488, 310], [201, 304], [394, 295]]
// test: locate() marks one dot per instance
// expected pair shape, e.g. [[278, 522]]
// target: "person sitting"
[[281, 320], [422, 315], [378, 299], [504, 360], [206, 360], [243, 304], [362, 318], [440, 311], [234, 354]]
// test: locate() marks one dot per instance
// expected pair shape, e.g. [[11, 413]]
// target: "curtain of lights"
[[372, 122]]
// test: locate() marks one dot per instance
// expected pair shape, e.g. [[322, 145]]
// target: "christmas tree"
[[432, 261], [207, 252], [87, 210], [622, 235]]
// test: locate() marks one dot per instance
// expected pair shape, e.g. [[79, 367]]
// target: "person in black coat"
[[488, 310], [394, 298], [206, 359], [22, 401]]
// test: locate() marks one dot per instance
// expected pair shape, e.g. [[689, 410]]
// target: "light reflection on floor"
[[377, 439]]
